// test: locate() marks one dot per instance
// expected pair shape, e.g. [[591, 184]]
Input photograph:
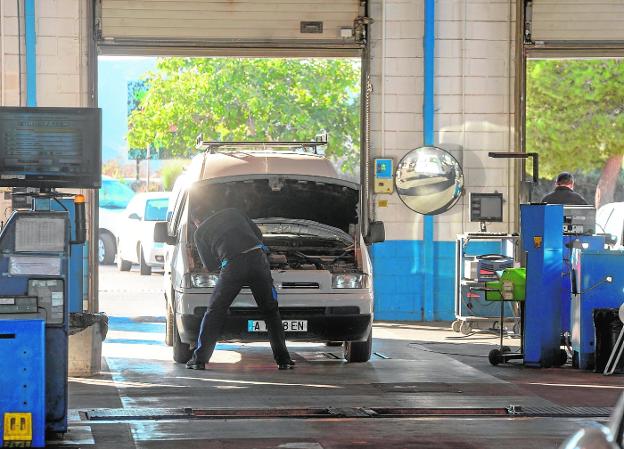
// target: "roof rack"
[[214, 146]]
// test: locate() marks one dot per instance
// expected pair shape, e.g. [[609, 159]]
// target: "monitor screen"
[[486, 207], [50, 147]]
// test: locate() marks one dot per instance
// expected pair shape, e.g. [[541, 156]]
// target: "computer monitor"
[[486, 207], [50, 147]]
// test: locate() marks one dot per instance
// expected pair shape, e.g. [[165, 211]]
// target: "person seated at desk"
[[564, 192]]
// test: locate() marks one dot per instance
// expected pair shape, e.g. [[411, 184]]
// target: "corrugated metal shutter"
[[228, 23], [577, 20]]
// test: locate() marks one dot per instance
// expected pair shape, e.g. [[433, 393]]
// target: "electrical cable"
[[598, 284], [60, 204], [45, 310]]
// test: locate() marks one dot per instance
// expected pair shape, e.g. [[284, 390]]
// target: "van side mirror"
[[376, 233], [161, 235]]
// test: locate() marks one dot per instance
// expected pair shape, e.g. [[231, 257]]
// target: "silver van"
[[309, 219]]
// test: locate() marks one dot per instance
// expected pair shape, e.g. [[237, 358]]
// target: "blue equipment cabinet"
[[542, 241], [34, 267], [22, 379], [75, 276], [593, 242], [599, 279]]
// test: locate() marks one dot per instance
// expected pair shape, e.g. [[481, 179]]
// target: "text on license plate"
[[289, 326]]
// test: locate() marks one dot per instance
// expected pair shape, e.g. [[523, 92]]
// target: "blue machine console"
[[599, 279], [591, 242], [34, 266], [542, 241], [22, 382]]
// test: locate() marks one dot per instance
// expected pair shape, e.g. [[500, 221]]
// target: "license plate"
[[289, 326]]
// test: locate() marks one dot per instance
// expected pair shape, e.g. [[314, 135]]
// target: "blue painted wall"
[[399, 279]]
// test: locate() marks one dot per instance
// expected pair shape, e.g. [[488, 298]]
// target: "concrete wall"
[[61, 28], [474, 68]]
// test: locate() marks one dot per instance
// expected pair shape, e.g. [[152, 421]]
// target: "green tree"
[[230, 99], [575, 118], [170, 172]]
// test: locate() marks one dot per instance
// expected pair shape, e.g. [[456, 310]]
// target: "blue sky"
[[114, 73]]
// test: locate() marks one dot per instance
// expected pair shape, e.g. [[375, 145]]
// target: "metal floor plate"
[[564, 412], [349, 412]]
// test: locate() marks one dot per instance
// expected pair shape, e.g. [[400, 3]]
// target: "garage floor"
[[153, 403]]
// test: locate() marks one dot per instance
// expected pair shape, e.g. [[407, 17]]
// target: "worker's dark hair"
[[565, 178]]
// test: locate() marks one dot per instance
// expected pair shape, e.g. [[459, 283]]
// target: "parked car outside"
[[610, 220], [309, 218], [135, 241], [114, 196]]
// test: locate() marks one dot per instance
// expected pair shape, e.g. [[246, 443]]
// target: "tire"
[[181, 351], [144, 268], [456, 325], [359, 351], [168, 325], [106, 249], [123, 265], [465, 328], [495, 357]]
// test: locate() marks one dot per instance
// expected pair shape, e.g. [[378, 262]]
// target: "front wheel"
[[106, 249], [359, 351], [181, 351], [169, 325]]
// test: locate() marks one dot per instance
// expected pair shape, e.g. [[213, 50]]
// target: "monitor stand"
[[482, 226]]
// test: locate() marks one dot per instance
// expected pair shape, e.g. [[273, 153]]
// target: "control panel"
[[51, 298], [18, 304], [579, 220], [384, 181]]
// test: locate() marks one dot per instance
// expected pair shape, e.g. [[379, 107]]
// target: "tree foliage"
[[575, 113], [231, 99]]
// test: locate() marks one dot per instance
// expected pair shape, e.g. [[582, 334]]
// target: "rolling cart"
[[510, 287], [478, 256]]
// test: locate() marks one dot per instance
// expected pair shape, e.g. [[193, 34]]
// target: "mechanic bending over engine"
[[230, 240]]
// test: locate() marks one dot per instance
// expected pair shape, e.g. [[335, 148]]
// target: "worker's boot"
[[194, 364], [288, 364]]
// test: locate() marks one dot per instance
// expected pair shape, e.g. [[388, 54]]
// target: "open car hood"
[[329, 201]]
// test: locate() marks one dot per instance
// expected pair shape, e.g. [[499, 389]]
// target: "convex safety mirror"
[[429, 180]]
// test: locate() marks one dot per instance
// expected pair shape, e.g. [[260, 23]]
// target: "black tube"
[[80, 223]]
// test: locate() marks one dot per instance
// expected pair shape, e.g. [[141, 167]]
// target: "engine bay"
[[310, 253], [289, 252]]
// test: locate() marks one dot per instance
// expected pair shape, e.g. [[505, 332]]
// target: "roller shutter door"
[[577, 20], [228, 23]]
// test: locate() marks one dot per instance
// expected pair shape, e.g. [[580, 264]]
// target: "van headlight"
[[204, 280], [349, 280]]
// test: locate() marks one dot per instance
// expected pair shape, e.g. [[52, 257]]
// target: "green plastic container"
[[517, 277]]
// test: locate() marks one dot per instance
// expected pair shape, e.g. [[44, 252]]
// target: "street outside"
[[128, 294]]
